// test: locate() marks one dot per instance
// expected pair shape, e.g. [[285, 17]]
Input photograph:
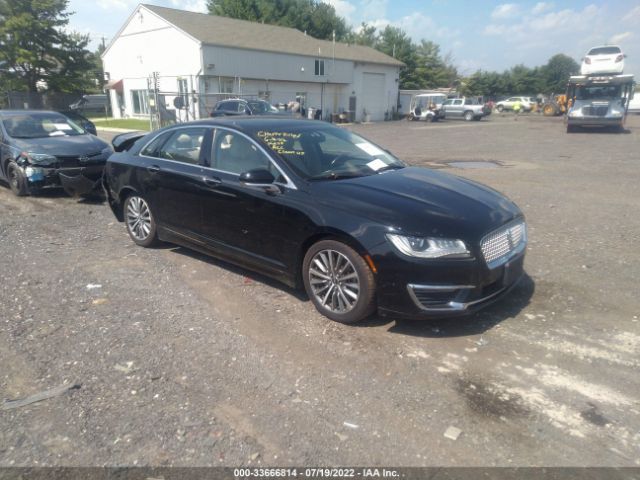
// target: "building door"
[[373, 95]]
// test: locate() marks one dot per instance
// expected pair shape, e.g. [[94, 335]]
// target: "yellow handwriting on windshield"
[[281, 142]]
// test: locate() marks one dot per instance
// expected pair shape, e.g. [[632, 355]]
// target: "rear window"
[[604, 51]]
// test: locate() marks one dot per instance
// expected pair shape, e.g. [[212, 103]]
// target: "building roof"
[[230, 32]]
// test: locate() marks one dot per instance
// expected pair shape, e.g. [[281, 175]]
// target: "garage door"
[[374, 99]]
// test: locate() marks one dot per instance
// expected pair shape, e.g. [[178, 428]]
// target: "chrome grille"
[[499, 245], [595, 110]]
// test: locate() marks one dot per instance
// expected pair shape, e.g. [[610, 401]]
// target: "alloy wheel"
[[138, 218], [334, 281]]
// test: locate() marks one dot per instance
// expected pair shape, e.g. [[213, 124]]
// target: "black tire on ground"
[[500, 108], [17, 179], [429, 118], [571, 129], [468, 116], [365, 304], [144, 232]]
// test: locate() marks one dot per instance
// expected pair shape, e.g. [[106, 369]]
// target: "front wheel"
[[339, 282], [140, 222], [17, 179], [500, 108]]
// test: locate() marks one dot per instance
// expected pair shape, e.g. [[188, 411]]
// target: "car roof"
[[7, 113], [267, 122]]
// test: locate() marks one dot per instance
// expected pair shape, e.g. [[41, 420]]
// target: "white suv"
[[525, 104], [604, 59]]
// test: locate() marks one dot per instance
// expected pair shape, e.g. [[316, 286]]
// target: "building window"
[[319, 71], [140, 101], [226, 84]]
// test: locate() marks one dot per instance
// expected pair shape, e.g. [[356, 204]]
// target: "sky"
[[477, 34]]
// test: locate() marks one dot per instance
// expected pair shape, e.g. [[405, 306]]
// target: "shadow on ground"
[[508, 307]]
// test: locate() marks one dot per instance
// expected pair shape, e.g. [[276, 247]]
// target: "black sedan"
[[317, 206], [41, 149]]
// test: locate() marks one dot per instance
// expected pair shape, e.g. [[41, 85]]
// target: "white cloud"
[[373, 9], [541, 7], [344, 8], [633, 15], [620, 37], [506, 10], [199, 6], [117, 4]]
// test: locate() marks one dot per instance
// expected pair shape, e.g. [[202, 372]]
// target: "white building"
[[202, 56]]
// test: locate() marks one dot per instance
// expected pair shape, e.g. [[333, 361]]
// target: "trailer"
[[598, 101]]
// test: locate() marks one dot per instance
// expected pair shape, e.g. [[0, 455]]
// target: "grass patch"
[[128, 123]]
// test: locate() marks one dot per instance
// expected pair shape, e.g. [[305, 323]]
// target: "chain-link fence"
[[196, 98]]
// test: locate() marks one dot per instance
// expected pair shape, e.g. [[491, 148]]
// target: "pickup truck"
[[465, 108]]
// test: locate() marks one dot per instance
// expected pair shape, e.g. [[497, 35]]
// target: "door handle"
[[153, 169], [211, 181]]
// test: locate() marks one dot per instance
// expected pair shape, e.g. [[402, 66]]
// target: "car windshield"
[[604, 51], [40, 125], [327, 152], [260, 106], [598, 92]]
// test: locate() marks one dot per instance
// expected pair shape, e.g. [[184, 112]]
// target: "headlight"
[[426, 247], [107, 151], [41, 159]]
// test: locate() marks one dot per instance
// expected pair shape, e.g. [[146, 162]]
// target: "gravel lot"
[[185, 360]]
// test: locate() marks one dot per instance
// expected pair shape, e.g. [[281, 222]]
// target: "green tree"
[[396, 43], [34, 47], [366, 35], [557, 71], [316, 18], [432, 70]]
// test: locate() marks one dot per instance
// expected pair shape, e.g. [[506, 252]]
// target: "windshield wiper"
[[393, 166], [338, 175]]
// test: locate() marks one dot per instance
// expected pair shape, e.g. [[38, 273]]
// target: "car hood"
[[421, 201], [62, 146]]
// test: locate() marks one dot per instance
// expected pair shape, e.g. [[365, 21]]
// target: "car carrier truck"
[[598, 101]]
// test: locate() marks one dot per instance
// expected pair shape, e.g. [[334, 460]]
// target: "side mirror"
[[260, 178]]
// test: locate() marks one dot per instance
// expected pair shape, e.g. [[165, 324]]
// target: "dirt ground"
[[185, 360]]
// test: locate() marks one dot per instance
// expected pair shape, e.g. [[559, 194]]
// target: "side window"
[[457, 102], [236, 154], [183, 145], [468, 101], [151, 150], [242, 107], [448, 102], [229, 106]]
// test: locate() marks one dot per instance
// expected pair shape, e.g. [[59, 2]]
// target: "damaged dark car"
[[44, 149]]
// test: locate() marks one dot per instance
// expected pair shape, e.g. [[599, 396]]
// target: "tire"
[[571, 129], [17, 179], [140, 222], [429, 118], [333, 274], [468, 116], [500, 108], [550, 110]]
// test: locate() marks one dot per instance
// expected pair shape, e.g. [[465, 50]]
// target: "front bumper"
[[594, 121], [408, 289], [75, 181]]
